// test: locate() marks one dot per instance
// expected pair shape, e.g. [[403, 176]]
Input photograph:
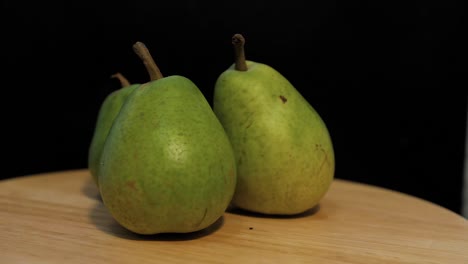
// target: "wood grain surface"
[[59, 218]]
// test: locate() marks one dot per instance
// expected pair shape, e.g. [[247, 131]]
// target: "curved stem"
[[123, 81], [238, 41], [144, 54]]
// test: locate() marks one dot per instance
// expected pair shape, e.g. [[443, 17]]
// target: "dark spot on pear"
[[131, 184], [250, 228], [283, 99]]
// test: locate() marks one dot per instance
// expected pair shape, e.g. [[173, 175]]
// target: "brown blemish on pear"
[[283, 99]]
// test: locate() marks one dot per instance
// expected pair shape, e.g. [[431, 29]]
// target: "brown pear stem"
[[238, 41], [144, 54], [123, 81]]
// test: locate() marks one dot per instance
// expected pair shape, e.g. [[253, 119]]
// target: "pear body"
[[108, 111], [167, 164], [284, 153]]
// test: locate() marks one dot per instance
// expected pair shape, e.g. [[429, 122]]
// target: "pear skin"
[[108, 111], [284, 153]]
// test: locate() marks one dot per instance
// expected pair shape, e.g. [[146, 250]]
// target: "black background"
[[388, 79]]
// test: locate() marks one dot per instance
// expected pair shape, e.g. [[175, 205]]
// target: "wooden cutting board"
[[59, 218]]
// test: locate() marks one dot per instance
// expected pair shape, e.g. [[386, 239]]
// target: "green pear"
[[284, 153], [108, 111], [167, 165]]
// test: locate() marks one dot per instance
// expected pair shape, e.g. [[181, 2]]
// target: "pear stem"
[[123, 81], [238, 41], [144, 54]]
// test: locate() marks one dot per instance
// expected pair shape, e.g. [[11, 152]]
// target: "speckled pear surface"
[[109, 110], [167, 164], [284, 153]]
